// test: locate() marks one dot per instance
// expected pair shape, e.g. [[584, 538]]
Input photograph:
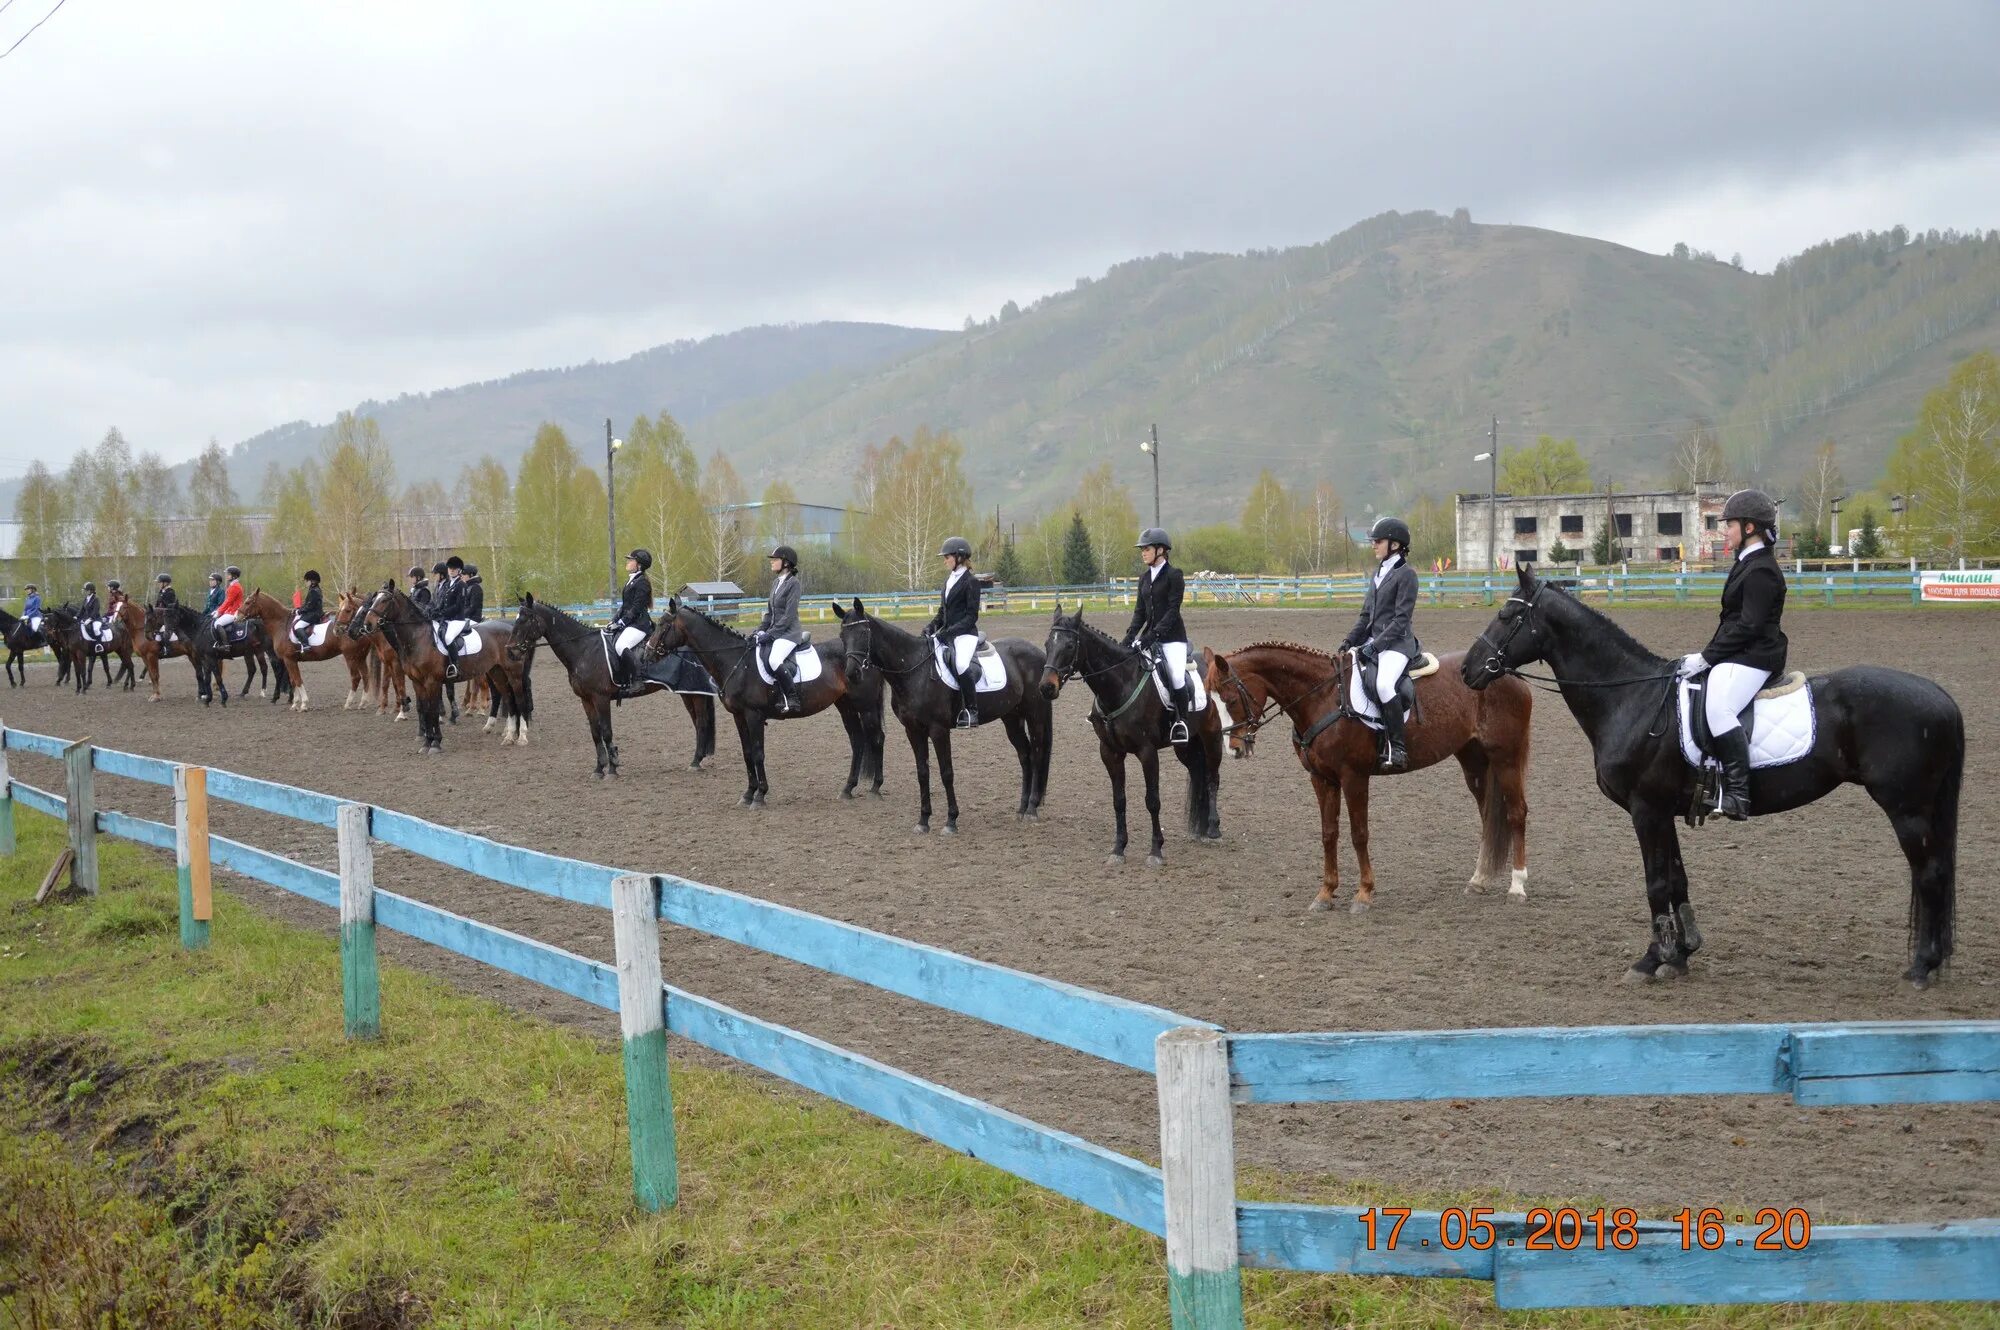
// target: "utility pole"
[[611, 506], [1153, 447], [1493, 495], [1610, 528]]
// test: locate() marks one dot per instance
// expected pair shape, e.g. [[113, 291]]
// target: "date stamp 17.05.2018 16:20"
[[1391, 1227]]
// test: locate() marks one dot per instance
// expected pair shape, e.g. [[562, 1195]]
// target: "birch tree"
[[920, 495]]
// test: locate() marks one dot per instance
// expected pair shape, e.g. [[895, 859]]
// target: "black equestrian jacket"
[[312, 608], [1753, 600], [635, 610], [1386, 611], [448, 601], [473, 601], [1156, 609], [958, 610]]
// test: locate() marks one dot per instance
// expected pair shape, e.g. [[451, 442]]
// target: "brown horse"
[[121, 642], [1486, 731], [147, 646], [497, 660], [356, 652]]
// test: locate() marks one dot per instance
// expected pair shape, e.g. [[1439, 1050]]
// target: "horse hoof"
[[1155, 861], [847, 793], [745, 802], [1517, 895], [1919, 977], [1031, 815], [598, 775], [1475, 887], [1359, 906], [1320, 905], [875, 793], [948, 829], [1114, 861], [921, 829]]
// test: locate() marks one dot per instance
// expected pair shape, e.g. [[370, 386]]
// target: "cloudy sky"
[[217, 216]]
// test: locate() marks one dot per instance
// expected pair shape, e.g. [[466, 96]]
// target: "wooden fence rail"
[[1200, 1071]]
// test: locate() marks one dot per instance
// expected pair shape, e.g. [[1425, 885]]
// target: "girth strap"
[[1319, 727]]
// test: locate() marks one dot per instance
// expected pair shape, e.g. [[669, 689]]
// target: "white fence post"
[[649, 1100], [1198, 1166], [6, 798], [191, 866], [360, 968], [82, 815]]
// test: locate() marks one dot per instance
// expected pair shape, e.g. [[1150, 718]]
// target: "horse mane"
[[1292, 646], [1608, 626], [1102, 636], [712, 622]]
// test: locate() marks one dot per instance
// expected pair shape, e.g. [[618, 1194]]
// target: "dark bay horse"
[[1130, 719], [86, 653], [927, 705], [138, 626], [423, 660], [20, 640], [583, 653], [214, 646], [1486, 732], [179, 625], [1897, 735], [727, 656]]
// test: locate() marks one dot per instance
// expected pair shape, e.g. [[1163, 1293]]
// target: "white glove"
[[1691, 665]]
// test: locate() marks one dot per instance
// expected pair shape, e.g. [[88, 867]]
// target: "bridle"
[[1273, 706], [1070, 671], [866, 656], [1551, 683]]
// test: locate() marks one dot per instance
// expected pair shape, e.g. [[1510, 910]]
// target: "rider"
[[448, 610], [164, 599], [92, 611], [420, 590], [231, 607], [31, 609], [116, 598], [214, 603], [634, 621], [311, 611], [440, 579], [957, 624], [475, 594], [779, 633], [1748, 646], [1382, 638], [1156, 627]]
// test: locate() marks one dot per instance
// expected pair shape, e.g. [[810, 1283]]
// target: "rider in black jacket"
[[1156, 626], [634, 621], [1382, 639], [957, 618], [312, 609]]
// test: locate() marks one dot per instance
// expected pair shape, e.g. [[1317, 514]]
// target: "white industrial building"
[[1650, 526]]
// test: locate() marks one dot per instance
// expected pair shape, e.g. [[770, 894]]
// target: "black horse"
[[20, 640], [1130, 719], [727, 655], [583, 652], [212, 647], [1896, 735], [927, 705], [174, 627]]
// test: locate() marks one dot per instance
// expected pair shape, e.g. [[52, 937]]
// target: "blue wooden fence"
[[1530, 1262]]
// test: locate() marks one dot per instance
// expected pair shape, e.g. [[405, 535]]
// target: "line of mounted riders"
[[1708, 734]]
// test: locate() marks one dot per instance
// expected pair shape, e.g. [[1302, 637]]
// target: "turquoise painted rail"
[[1210, 1235]]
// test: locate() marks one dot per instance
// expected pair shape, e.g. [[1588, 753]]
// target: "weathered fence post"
[[191, 854], [360, 973], [6, 798], [1198, 1165], [649, 1099], [82, 816]]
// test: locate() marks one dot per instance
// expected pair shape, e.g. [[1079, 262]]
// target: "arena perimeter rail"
[[1202, 1071]]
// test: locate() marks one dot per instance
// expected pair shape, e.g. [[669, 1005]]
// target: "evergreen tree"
[[1869, 543], [1561, 553], [1007, 568], [1600, 548], [1079, 563]]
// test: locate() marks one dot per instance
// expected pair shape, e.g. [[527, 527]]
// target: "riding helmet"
[[1154, 535], [642, 557], [455, 564], [234, 571], [786, 555], [439, 569], [1753, 506], [958, 545], [113, 585], [215, 577], [164, 578], [312, 575], [1392, 529], [90, 586], [416, 573], [472, 570], [33, 587]]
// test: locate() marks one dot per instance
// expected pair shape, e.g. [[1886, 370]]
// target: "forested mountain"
[[1377, 359]]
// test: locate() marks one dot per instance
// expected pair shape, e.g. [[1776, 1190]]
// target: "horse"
[[583, 652], [381, 671], [87, 652], [727, 656], [356, 652], [1130, 719], [138, 627], [20, 640], [1899, 736], [409, 630], [927, 706], [1487, 733], [253, 648], [171, 632]]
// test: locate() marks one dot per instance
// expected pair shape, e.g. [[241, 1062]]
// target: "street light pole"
[[1152, 446], [1492, 496], [611, 503]]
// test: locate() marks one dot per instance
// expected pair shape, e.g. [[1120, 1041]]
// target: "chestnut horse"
[[356, 652], [1486, 731]]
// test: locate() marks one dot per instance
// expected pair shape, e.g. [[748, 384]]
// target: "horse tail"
[[1934, 882]]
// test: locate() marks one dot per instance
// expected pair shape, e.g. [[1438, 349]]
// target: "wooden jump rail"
[[1201, 1072]]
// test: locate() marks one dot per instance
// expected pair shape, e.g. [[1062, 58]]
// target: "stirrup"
[[966, 719], [1177, 733]]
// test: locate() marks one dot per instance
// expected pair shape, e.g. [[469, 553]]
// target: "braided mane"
[[1292, 646], [713, 623]]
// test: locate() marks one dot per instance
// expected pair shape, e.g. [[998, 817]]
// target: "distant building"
[[807, 525], [1649, 526]]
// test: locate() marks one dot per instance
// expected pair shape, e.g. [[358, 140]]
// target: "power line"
[[31, 31]]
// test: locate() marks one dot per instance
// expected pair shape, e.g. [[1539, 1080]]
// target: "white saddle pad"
[[97, 630], [809, 664], [318, 638], [992, 672], [1781, 732], [1193, 677], [1369, 713], [468, 641]]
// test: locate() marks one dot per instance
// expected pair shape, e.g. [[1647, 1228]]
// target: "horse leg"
[[1659, 848], [749, 761], [1212, 747], [1024, 750], [857, 747], [920, 748], [1356, 789], [1513, 781], [941, 740], [1114, 767], [878, 748], [1149, 764], [1328, 794], [761, 777], [1473, 762], [1195, 759]]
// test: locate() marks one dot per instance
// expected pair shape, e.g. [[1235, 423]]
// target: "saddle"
[[992, 670], [1781, 724], [1694, 695], [805, 656]]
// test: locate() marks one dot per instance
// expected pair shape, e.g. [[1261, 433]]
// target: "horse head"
[[1517, 636], [531, 624], [369, 616], [670, 634], [857, 633], [1233, 693], [1064, 645]]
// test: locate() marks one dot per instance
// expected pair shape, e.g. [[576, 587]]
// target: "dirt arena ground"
[[1804, 913]]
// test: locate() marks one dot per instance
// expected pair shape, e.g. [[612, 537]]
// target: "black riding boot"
[[1733, 750], [968, 705], [634, 684], [790, 697], [1179, 731], [1397, 758]]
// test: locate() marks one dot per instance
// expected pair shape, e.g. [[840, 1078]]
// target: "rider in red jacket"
[[232, 599]]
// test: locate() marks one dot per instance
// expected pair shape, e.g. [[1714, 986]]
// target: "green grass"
[[189, 1141]]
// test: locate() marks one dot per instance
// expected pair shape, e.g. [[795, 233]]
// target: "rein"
[[1551, 683]]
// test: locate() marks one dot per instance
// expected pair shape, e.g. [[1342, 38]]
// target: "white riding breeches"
[[1389, 667], [1174, 655], [627, 639], [35, 623], [962, 648], [453, 630], [1731, 687], [777, 650], [224, 620]]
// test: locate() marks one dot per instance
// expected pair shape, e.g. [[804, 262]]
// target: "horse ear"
[[1527, 575], [1058, 618], [857, 605], [838, 612], [527, 599]]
